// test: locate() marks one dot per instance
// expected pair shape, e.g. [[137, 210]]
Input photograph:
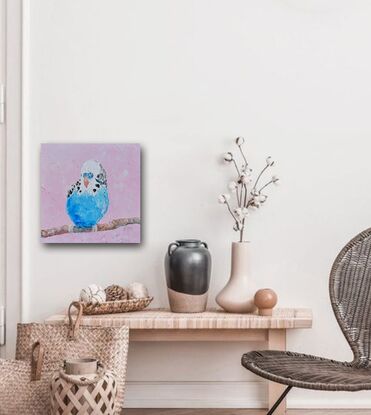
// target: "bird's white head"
[[93, 176]]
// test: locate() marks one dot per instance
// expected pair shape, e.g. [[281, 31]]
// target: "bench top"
[[157, 318]]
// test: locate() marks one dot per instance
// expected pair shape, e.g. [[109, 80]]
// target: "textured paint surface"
[[87, 210], [60, 168]]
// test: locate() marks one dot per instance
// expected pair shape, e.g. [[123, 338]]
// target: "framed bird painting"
[[90, 193]]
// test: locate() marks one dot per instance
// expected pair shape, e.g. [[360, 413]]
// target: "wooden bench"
[[214, 325]]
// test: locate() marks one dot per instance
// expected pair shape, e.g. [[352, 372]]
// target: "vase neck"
[[189, 243], [240, 259]]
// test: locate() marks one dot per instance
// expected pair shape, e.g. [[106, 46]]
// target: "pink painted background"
[[60, 168]]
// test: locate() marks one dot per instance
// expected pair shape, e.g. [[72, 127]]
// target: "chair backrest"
[[350, 293]]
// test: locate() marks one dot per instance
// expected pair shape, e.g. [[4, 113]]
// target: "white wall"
[[183, 78], [2, 164]]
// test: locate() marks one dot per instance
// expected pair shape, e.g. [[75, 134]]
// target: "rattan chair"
[[350, 294]]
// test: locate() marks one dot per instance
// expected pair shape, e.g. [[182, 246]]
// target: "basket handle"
[[37, 361], [74, 325]]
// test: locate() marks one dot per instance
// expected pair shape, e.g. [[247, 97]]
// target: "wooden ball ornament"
[[265, 300]]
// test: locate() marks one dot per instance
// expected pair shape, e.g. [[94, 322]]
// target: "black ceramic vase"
[[188, 267]]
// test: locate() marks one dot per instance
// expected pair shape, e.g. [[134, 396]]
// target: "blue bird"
[[87, 199]]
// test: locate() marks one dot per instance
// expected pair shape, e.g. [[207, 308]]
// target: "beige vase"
[[238, 295]]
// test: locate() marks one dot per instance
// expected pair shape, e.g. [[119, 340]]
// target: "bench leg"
[[277, 341]]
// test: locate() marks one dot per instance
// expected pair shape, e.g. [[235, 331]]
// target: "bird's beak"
[[86, 182]]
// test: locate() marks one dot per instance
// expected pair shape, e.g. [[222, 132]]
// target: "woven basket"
[[112, 307], [72, 341], [24, 385], [80, 396]]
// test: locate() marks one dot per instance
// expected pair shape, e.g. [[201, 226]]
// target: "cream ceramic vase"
[[238, 295]]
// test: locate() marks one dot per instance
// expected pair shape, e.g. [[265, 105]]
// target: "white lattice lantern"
[[81, 395]]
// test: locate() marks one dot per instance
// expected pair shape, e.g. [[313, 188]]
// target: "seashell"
[[93, 294], [138, 290]]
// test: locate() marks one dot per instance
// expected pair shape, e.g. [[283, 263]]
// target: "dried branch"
[[245, 197], [235, 165], [114, 224], [230, 211], [248, 195], [238, 197], [243, 154], [260, 175], [241, 189], [266, 185], [242, 230]]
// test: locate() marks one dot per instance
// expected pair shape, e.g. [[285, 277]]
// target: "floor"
[[243, 412]]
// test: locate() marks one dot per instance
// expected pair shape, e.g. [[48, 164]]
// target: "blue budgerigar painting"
[[90, 193], [87, 199]]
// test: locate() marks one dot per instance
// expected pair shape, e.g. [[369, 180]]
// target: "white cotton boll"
[[240, 141], [245, 178], [241, 213], [238, 212], [221, 199], [244, 212], [228, 157], [93, 294], [224, 198], [269, 161], [232, 186], [138, 290], [256, 201]]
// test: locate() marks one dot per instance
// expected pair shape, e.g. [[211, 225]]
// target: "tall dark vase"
[[188, 268]]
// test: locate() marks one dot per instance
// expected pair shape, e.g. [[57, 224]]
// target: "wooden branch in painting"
[[114, 224]]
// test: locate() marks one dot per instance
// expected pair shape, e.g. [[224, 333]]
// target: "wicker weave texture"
[[112, 307], [24, 386], [107, 344], [84, 397], [159, 318], [350, 294], [18, 395], [306, 371]]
